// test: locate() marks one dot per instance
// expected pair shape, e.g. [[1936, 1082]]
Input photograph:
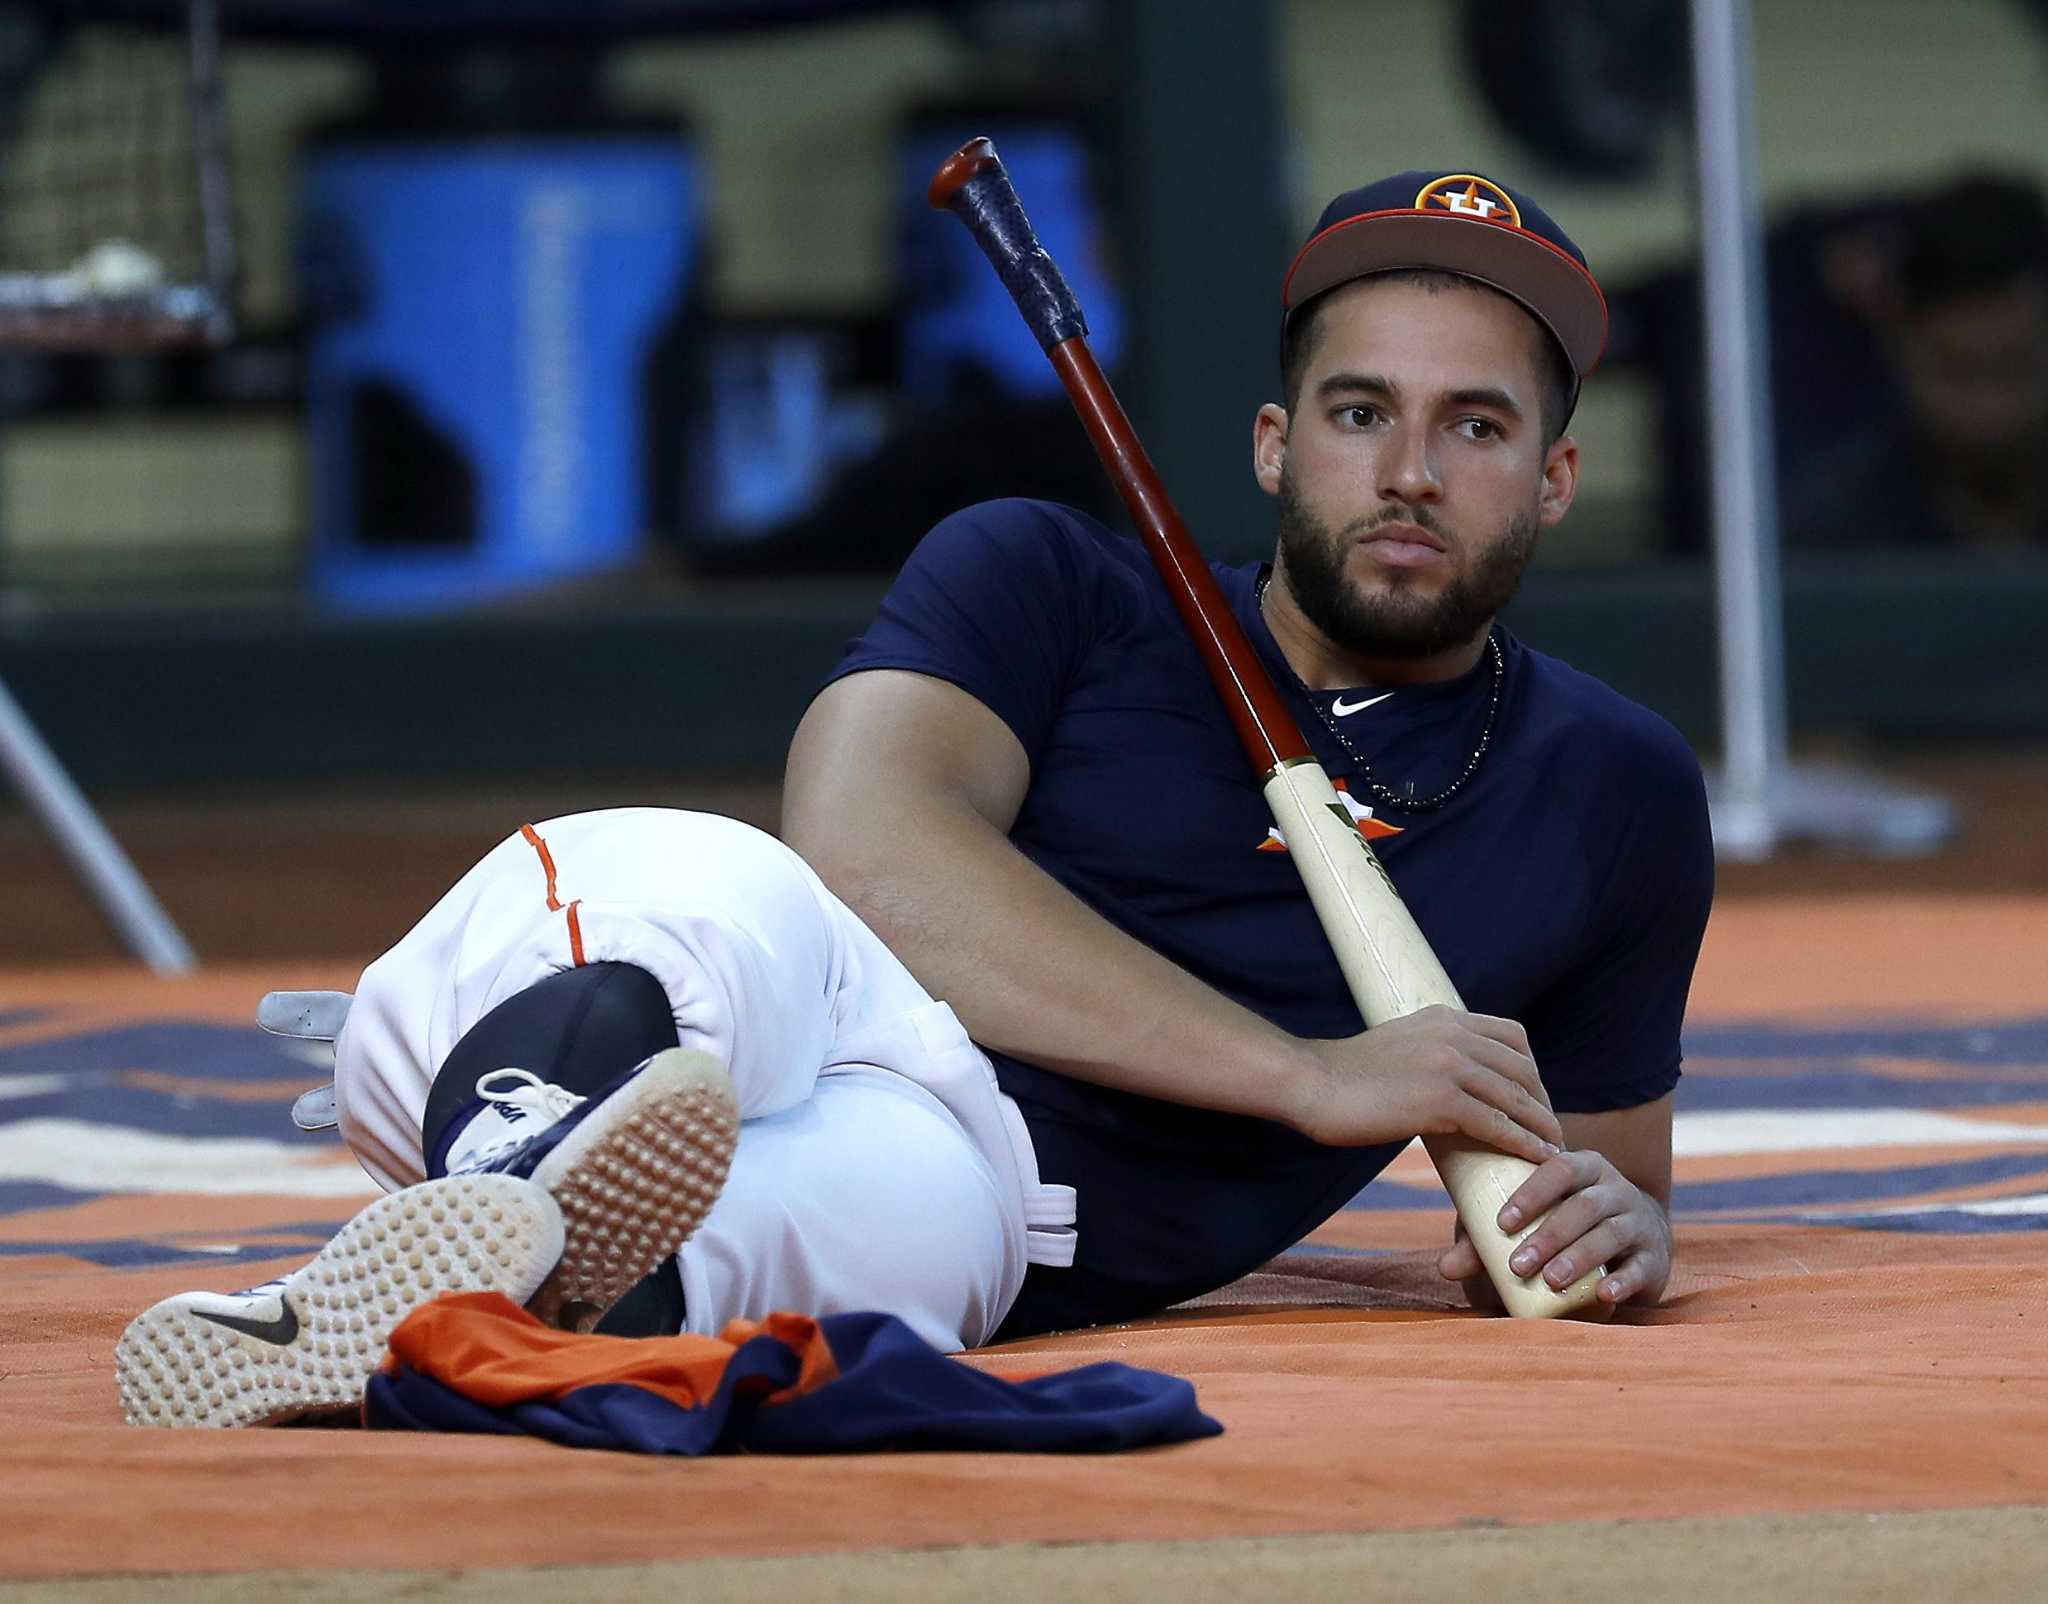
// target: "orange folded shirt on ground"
[[476, 1362]]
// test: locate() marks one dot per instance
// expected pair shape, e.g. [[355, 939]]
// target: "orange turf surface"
[[1796, 1366]]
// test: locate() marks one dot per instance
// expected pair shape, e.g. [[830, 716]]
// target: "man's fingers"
[[1508, 1032], [1531, 1113], [1570, 1221], [1460, 1261], [1626, 1281], [1507, 1062], [1601, 1245], [1484, 1122], [1553, 1181]]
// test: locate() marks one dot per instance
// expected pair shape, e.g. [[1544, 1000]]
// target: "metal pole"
[[85, 843], [1749, 610], [1759, 798], [210, 163]]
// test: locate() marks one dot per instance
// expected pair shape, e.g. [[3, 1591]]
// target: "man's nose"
[[1408, 470]]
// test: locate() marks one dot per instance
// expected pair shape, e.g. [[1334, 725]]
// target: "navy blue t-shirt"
[[1566, 885]]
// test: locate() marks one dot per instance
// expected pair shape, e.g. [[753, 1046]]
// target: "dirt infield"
[[309, 871], [1988, 1556], [1854, 1332]]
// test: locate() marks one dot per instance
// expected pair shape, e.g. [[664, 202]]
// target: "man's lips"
[[1404, 546]]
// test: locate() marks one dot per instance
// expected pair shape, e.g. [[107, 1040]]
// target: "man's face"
[[1412, 474], [1976, 370]]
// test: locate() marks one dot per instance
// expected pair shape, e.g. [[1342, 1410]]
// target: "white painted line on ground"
[[2033, 1203], [116, 1158], [17, 1086], [1792, 1130]]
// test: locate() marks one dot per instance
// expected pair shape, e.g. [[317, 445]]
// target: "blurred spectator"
[[1909, 372], [1963, 329]]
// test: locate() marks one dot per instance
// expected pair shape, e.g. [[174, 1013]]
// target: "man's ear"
[[1269, 446], [1560, 480]]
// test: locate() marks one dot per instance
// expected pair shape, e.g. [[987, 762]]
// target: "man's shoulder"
[[1043, 556], [1605, 730], [1027, 526]]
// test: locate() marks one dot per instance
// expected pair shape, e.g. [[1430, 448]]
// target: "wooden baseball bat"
[[1386, 961]]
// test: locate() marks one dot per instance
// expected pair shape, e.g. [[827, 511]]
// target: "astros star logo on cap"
[[1479, 197], [1399, 222]]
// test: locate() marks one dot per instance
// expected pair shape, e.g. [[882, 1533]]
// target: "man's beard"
[[1402, 621]]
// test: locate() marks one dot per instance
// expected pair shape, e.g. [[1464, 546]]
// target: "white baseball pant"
[[878, 1166]]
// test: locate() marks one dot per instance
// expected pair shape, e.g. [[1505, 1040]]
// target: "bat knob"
[[974, 188], [975, 157]]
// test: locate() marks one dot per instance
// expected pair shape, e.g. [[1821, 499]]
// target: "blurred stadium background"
[[593, 367]]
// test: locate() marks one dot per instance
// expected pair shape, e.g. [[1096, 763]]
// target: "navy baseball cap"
[[1457, 223]]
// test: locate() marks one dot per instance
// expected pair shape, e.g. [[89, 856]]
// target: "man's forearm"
[[1036, 973]]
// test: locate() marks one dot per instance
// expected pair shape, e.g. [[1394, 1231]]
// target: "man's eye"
[[1358, 417], [1480, 428]]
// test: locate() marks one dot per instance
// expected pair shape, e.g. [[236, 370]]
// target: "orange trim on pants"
[[547, 863]]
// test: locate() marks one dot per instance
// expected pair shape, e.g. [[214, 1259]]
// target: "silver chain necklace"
[[1363, 770]]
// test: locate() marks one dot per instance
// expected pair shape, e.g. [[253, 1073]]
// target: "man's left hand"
[[1598, 1216]]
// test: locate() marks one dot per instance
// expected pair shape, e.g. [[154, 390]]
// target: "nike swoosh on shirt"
[[277, 1332], [1344, 710]]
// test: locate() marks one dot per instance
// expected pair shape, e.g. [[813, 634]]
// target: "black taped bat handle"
[[973, 186]]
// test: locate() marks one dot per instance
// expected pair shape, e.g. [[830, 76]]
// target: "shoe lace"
[[528, 1094]]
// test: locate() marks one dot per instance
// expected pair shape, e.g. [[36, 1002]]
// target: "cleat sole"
[[635, 1180], [467, 1233]]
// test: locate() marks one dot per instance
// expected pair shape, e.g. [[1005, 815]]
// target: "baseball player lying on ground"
[[649, 1071]]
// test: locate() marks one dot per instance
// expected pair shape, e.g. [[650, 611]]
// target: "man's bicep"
[[1636, 1141], [876, 745], [1606, 1032]]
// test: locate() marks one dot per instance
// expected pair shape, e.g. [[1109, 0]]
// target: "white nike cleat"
[[634, 1169], [306, 1345]]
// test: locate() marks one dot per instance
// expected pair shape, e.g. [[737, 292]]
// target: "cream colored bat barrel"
[[1392, 971]]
